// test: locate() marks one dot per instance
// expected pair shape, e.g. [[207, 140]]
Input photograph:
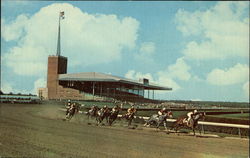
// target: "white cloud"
[[245, 88], [237, 74], [85, 38], [223, 31], [146, 52], [147, 48], [39, 83], [196, 99], [15, 29], [179, 70], [165, 80], [161, 78], [8, 87], [132, 74], [167, 77]]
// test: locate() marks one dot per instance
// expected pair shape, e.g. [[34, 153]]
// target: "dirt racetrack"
[[39, 131]]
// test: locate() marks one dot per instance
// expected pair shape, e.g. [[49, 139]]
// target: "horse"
[[158, 120], [72, 111], [129, 117], [92, 112], [182, 122], [101, 114], [113, 115]]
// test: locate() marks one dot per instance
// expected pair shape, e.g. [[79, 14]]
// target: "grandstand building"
[[91, 85]]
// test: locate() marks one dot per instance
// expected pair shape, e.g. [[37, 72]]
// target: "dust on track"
[[38, 131]]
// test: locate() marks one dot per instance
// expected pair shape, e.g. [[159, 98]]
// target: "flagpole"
[[58, 52]]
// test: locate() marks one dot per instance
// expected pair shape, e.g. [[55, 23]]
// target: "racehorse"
[[129, 117], [72, 111], [158, 120], [101, 114], [113, 115], [193, 122], [92, 112]]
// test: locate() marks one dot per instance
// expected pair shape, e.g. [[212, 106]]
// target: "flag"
[[62, 15]]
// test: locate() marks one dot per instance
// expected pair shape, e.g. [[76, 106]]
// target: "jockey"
[[68, 106], [191, 114], [162, 111], [115, 108], [131, 111], [93, 107], [68, 103], [73, 105], [105, 108]]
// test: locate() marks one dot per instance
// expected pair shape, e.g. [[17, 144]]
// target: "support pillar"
[[93, 90], [153, 94]]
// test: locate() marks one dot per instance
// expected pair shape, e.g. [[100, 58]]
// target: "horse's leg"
[[107, 119], [177, 126], [165, 124], [129, 121], [199, 128], [97, 120], [147, 123], [110, 121], [158, 125]]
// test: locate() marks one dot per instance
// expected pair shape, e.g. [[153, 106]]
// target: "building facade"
[[58, 65]]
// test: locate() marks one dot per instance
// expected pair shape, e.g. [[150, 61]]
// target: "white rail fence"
[[239, 126]]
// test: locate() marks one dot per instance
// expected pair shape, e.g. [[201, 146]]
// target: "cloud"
[[160, 78], [165, 80], [146, 52], [220, 32], [245, 88], [237, 74], [39, 83], [132, 74], [86, 39], [196, 99], [8, 87], [166, 77], [179, 70], [15, 29], [147, 48]]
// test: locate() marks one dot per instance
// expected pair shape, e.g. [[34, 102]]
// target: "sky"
[[200, 49]]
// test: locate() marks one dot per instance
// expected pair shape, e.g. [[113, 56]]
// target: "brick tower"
[[56, 65]]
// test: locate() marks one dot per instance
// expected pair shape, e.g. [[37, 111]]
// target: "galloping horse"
[[129, 117], [113, 115], [158, 120], [101, 114], [182, 122], [92, 112], [72, 111]]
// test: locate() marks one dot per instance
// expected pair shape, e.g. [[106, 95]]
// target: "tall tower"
[[56, 65]]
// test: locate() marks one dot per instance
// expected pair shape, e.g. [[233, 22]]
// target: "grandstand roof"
[[101, 77]]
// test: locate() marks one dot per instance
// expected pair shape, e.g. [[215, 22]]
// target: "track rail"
[[203, 123]]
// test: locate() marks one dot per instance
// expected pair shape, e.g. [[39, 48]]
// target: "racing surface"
[[39, 131]]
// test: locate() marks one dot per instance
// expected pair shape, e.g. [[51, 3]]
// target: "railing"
[[207, 123], [201, 123]]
